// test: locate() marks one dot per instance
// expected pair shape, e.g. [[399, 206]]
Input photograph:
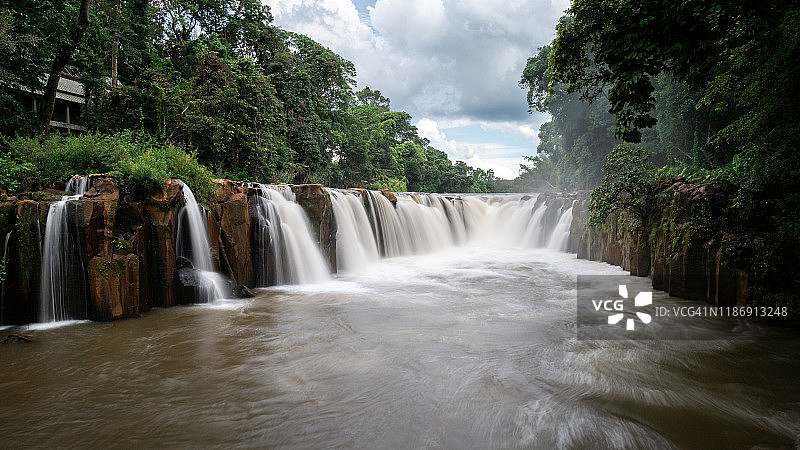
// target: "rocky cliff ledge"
[[125, 259], [688, 250]]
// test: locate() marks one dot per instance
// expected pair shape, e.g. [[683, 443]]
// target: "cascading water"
[[63, 285], [284, 249], [423, 223], [505, 220], [535, 232], [209, 284], [560, 237], [426, 227], [355, 243], [5, 275], [389, 233]]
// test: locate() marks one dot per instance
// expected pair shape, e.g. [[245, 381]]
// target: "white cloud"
[[506, 168], [450, 61], [486, 156]]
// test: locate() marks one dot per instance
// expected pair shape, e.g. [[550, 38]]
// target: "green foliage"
[[574, 144], [627, 185], [13, 170], [146, 166], [539, 175], [56, 158], [209, 83], [141, 162], [392, 184], [742, 56]]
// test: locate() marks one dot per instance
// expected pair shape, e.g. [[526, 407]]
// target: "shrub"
[[141, 162], [627, 185], [13, 171]]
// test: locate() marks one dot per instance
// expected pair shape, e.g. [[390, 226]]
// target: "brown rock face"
[[316, 201], [114, 287], [124, 247], [108, 230], [364, 194], [230, 232], [676, 256], [390, 196], [160, 216], [23, 270]]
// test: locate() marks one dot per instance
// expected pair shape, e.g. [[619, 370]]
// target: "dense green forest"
[[708, 88], [645, 94], [201, 89]]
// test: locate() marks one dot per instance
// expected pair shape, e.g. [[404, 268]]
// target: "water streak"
[[424, 223], [5, 275], [210, 285], [559, 240], [285, 251], [355, 242], [63, 286]]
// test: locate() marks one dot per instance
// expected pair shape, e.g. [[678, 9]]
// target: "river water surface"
[[466, 348]]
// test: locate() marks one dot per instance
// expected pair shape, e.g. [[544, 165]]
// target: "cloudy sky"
[[454, 65]]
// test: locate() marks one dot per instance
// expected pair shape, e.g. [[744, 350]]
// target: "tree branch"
[[59, 62]]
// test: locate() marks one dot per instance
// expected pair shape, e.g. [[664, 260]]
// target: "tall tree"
[[60, 60]]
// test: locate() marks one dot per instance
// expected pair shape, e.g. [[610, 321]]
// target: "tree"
[[215, 79], [627, 185], [60, 60], [573, 146], [369, 97], [622, 45]]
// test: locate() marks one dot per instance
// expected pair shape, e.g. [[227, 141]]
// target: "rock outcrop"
[[108, 252], [229, 228], [682, 258], [125, 260], [316, 202], [160, 217], [389, 196]]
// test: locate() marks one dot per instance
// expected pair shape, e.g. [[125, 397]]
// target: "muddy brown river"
[[467, 348]]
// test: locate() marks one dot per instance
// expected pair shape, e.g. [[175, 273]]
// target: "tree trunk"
[[115, 48], [59, 62]]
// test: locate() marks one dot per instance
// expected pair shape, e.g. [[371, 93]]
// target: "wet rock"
[[23, 270], [230, 231], [243, 292], [192, 279], [114, 287], [17, 338], [316, 201], [364, 195], [390, 196], [160, 212], [680, 260]]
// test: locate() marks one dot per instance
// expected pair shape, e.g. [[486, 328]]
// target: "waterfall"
[[355, 242], [63, 274], [535, 230], [419, 223], [209, 284], [390, 236], [505, 220], [423, 223], [285, 251], [5, 275], [560, 237]]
